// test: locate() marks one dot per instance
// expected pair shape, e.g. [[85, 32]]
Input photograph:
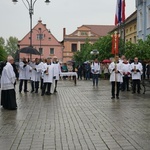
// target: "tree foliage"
[[141, 49], [84, 53], [3, 54], [2, 42], [11, 46], [102, 45]]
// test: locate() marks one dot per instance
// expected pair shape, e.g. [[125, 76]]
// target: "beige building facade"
[[74, 42]]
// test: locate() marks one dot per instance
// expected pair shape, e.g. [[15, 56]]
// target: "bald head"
[[10, 59]]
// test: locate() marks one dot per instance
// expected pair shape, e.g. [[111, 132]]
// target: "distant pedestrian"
[[95, 69], [148, 70], [48, 76], [115, 69], [35, 76], [80, 71], [8, 78], [24, 74], [87, 71], [136, 69], [106, 71], [57, 72], [126, 75], [64, 68]]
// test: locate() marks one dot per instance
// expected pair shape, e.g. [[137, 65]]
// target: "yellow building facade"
[[128, 30], [131, 28]]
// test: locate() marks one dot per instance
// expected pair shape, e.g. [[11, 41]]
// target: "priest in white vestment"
[[8, 78]]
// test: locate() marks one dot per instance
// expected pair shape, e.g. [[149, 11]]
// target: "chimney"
[[64, 32], [40, 21]]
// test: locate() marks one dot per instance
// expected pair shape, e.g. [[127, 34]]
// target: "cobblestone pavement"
[[80, 117]]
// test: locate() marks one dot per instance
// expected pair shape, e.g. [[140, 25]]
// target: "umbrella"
[[106, 61], [86, 62], [29, 50]]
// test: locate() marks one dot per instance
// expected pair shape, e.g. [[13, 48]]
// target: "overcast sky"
[[57, 15]]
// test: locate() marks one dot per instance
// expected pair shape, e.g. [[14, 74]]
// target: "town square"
[[75, 75]]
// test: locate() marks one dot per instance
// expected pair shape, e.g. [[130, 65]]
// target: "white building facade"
[[143, 19]]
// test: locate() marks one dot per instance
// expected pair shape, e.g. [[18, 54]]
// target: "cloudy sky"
[[57, 15]]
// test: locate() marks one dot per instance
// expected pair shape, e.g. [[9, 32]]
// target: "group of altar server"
[[47, 72], [121, 71]]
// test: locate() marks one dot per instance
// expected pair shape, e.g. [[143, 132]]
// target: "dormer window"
[[40, 37], [84, 33]]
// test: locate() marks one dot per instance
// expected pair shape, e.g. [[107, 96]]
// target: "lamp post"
[[94, 52], [40, 37], [30, 7]]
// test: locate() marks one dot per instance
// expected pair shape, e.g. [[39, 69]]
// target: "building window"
[[84, 33], [41, 50], [40, 36], [51, 51], [148, 16], [131, 40], [134, 39], [135, 27], [126, 30], [74, 47], [139, 2], [130, 28]]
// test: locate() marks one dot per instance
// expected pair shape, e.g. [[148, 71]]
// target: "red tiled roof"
[[100, 30]]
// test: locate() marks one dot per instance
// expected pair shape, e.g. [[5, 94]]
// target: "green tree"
[[103, 45], [141, 49], [2, 42], [84, 53], [3, 54], [11, 46]]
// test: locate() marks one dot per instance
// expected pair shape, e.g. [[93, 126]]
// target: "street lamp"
[[30, 7], [40, 37], [94, 52]]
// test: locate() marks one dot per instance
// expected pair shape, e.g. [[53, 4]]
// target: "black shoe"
[[42, 94], [128, 90], [113, 97], [47, 93], [55, 91], [32, 91], [133, 92], [36, 91], [26, 91], [19, 91], [138, 92], [117, 97]]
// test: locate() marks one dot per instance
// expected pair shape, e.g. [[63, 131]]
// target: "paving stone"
[[79, 117]]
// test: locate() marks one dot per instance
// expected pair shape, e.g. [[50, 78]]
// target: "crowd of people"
[[119, 71], [45, 73]]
